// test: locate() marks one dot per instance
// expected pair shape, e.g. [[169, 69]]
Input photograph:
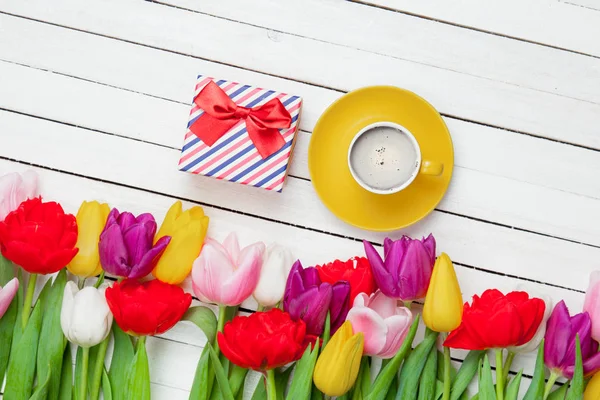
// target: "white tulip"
[[534, 343], [273, 275], [85, 317]]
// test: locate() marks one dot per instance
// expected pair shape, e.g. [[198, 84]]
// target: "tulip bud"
[[91, 219], [443, 307], [85, 317], [592, 303], [273, 275], [187, 230], [16, 188], [337, 367]]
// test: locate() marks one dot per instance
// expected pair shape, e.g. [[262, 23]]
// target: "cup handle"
[[432, 168]]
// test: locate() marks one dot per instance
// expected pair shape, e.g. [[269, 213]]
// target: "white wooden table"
[[95, 96]]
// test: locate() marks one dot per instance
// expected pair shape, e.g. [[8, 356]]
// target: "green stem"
[[260, 308], [80, 283], [141, 341], [327, 330], [220, 324], [29, 299], [98, 368], [499, 375], [84, 373], [100, 280], [551, 380], [447, 379], [509, 360], [271, 385]]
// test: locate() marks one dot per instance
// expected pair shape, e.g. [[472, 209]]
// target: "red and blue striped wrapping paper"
[[234, 157]]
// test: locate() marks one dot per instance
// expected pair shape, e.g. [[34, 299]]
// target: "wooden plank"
[[171, 76], [560, 24], [133, 115], [420, 40], [473, 98], [149, 167]]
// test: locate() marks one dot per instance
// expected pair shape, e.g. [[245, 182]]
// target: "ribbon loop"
[[221, 114]]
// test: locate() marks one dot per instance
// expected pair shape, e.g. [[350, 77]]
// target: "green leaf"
[[66, 376], [281, 381], [106, 386], [559, 394], [18, 327], [429, 376], [391, 394], [260, 392], [577, 385], [41, 392], [442, 368], [52, 340], [205, 319], [327, 330], [413, 366], [439, 387], [365, 382], [7, 270], [236, 379], [220, 374], [465, 374], [513, 387], [21, 369], [121, 361], [200, 387], [316, 394], [486, 383], [78, 372], [138, 379], [386, 376], [303, 375], [536, 387]]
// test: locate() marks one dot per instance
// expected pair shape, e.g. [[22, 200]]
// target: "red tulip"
[[39, 236], [495, 321], [148, 308], [356, 271], [264, 340]]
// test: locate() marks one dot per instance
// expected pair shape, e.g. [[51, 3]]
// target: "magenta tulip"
[[7, 293], [592, 304], [226, 275], [309, 299], [407, 269], [126, 245], [383, 324], [16, 188], [560, 342]]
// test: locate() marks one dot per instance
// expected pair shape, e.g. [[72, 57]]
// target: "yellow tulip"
[[91, 219], [338, 365], [187, 230], [592, 391], [443, 303]]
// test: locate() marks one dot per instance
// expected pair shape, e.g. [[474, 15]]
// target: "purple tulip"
[[125, 245], [309, 299], [560, 342], [407, 269]]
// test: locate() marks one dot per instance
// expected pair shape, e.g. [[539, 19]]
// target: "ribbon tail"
[[210, 129], [267, 141]]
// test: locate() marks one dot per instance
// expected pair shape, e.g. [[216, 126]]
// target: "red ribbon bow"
[[221, 114]]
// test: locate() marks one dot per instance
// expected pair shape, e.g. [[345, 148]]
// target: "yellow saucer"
[[328, 158]]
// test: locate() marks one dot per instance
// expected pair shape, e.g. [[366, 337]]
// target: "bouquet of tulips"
[[343, 329]]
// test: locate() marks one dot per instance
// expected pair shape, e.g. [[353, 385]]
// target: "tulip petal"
[[273, 276], [294, 285], [397, 329], [380, 273], [340, 304], [592, 303], [232, 247], [210, 270], [113, 252], [558, 333], [239, 286], [383, 305], [7, 293], [149, 259], [372, 326], [66, 312]]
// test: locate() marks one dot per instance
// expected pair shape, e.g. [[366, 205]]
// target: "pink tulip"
[[224, 274], [383, 324], [15, 189], [7, 293], [592, 303]]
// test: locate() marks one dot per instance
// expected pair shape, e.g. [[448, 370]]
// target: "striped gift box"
[[234, 157]]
